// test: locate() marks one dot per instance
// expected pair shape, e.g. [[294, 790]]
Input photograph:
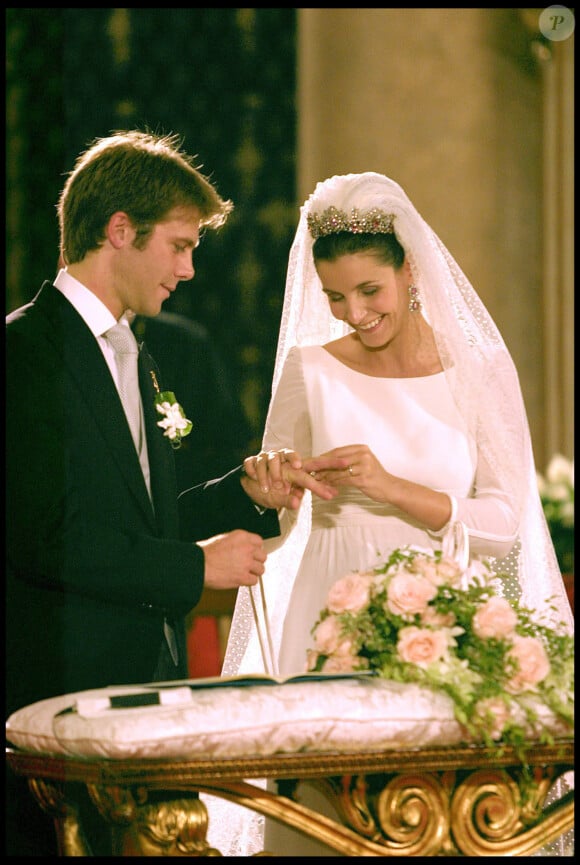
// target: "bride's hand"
[[359, 468], [277, 479]]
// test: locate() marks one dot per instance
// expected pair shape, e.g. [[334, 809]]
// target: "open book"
[[181, 692], [258, 679]]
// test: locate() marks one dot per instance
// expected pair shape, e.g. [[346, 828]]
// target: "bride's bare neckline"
[[349, 363]]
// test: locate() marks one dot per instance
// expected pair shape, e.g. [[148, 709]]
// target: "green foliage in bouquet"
[[417, 618]]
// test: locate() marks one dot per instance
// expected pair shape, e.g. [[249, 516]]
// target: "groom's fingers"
[[280, 470], [266, 468]]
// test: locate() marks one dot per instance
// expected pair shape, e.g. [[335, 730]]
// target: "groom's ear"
[[119, 230]]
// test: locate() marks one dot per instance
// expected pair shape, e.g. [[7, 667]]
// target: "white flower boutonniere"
[[174, 423]]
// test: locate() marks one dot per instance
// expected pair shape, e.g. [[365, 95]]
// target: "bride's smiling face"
[[372, 297]]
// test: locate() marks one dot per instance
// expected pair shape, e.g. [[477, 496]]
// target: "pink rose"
[[494, 711], [328, 635], [350, 594], [311, 660], [343, 664], [340, 650], [425, 567], [408, 594], [495, 618], [533, 663], [446, 571], [437, 620], [421, 646]]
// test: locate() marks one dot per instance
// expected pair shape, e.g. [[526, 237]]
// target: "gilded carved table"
[[447, 801]]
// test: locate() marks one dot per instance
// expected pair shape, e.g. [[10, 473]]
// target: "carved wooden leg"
[[56, 800], [143, 826]]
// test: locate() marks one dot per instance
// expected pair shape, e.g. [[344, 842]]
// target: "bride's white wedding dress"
[[414, 428]]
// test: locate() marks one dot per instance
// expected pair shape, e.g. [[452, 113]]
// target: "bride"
[[387, 359]]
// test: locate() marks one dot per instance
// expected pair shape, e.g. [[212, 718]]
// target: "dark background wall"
[[224, 79]]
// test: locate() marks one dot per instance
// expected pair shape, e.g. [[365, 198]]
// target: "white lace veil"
[[481, 374], [486, 388]]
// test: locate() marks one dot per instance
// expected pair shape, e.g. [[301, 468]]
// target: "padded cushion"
[[243, 721]]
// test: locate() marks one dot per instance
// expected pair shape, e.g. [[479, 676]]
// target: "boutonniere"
[[174, 423]]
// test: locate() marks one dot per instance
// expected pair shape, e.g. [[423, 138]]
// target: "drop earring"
[[414, 302]]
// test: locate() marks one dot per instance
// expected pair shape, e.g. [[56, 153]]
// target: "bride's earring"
[[414, 302]]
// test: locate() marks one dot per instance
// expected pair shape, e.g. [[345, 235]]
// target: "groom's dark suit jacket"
[[93, 568]]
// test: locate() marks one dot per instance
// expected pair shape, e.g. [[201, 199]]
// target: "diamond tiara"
[[332, 220]]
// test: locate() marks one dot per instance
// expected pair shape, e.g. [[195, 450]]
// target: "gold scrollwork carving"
[[116, 803], [172, 827], [406, 814], [448, 813], [52, 798], [350, 796], [413, 813], [493, 814]]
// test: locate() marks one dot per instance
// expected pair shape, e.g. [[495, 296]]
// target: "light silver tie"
[[124, 343], [126, 352]]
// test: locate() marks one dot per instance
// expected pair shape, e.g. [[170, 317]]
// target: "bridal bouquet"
[[418, 618]]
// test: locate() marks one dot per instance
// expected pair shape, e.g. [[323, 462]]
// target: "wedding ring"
[[350, 470], [312, 474]]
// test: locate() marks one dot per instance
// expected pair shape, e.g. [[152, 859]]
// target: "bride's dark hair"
[[386, 247]]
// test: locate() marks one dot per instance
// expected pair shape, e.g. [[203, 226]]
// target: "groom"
[[103, 560], [102, 565]]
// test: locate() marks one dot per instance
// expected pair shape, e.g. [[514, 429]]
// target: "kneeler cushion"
[[180, 721]]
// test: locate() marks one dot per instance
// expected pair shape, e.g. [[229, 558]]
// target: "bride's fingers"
[[310, 481], [326, 463]]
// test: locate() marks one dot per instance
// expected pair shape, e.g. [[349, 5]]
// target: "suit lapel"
[[161, 459], [87, 367]]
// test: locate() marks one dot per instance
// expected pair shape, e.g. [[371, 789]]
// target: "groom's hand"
[[233, 559], [277, 479]]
